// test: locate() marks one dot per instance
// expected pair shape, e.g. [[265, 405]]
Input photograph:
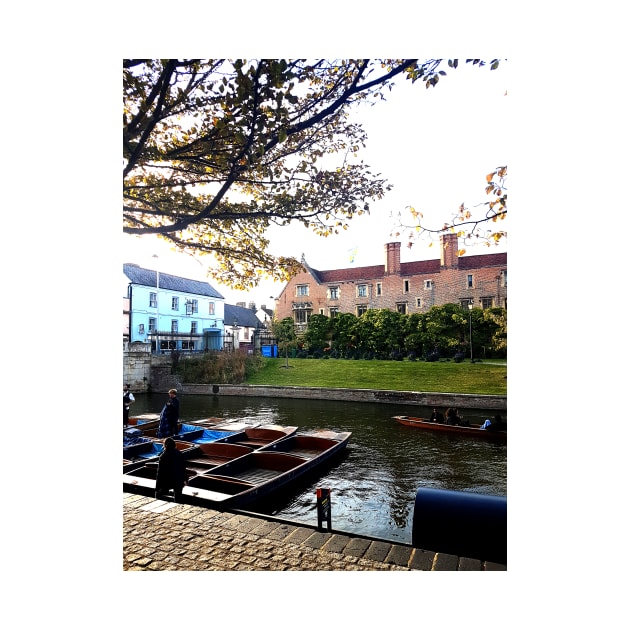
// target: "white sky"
[[435, 146]]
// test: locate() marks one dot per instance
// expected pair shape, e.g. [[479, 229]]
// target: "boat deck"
[[255, 475]]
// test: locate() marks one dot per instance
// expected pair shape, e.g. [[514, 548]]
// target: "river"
[[373, 485]]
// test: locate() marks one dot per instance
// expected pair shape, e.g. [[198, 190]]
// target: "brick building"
[[412, 287]]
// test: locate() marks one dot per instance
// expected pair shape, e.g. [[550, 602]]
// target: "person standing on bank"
[[127, 400], [171, 473]]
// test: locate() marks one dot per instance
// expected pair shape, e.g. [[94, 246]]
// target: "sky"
[[435, 146]]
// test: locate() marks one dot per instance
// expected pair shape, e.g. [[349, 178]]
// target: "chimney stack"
[[392, 258], [448, 250]]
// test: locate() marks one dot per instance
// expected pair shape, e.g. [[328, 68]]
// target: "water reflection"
[[373, 485]]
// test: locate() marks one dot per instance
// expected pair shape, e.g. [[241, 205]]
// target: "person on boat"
[[452, 417], [437, 416], [127, 400], [171, 473], [496, 424], [171, 412]]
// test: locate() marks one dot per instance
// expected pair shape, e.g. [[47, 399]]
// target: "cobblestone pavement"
[[167, 536]]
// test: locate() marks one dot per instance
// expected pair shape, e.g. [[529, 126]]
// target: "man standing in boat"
[[171, 473], [170, 413], [127, 400]]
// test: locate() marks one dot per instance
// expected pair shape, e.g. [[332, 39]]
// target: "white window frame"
[[428, 284], [152, 300], [362, 290], [141, 329], [333, 293], [152, 324], [470, 281], [210, 308], [193, 327], [406, 286], [175, 303], [301, 290], [174, 325], [379, 288]]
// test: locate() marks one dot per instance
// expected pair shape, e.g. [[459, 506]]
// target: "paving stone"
[[399, 555], [421, 560], [298, 535], [468, 564], [444, 562], [336, 543], [241, 523], [356, 547], [317, 540], [377, 551], [493, 566], [281, 532]]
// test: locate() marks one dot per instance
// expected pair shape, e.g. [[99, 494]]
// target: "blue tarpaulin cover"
[[212, 436]]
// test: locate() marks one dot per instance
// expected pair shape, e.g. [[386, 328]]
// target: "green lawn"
[[420, 376]]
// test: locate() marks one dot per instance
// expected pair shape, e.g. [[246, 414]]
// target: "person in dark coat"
[[497, 424], [452, 417], [169, 417], [436, 416], [127, 400], [171, 474]]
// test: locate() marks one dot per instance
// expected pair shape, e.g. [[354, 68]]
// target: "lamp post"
[[157, 308], [470, 308], [235, 329]]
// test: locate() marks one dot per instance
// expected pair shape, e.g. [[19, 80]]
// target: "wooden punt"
[[262, 472], [140, 476], [471, 431], [306, 446], [144, 421], [257, 437], [150, 449]]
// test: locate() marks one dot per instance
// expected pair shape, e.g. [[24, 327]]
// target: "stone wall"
[[425, 399]]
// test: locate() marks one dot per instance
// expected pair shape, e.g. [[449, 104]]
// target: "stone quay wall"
[[425, 399]]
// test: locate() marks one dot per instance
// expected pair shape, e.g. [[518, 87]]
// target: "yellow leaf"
[[489, 177], [461, 252]]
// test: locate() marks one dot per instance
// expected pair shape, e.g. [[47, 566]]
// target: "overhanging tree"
[[216, 151]]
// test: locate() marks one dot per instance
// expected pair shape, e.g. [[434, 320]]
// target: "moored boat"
[[262, 472], [140, 477], [474, 430], [257, 437]]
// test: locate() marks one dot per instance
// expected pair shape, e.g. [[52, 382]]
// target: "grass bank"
[[415, 376]]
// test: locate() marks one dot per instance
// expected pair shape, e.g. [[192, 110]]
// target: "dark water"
[[373, 485]]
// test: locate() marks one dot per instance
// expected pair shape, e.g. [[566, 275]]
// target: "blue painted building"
[[173, 313]]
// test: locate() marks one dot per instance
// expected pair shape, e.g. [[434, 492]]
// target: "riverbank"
[[424, 399], [165, 536]]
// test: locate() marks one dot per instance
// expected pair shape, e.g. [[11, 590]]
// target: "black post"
[[323, 508]]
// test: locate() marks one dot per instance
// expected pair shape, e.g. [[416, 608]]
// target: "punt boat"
[[262, 472], [473, 430], [140, 477]]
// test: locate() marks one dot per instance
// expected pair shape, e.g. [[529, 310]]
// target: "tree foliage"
[[470, 225], [443, 331], [215, 151]]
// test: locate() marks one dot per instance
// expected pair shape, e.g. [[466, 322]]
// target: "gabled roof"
[[242, 316], [415, 268], [148, 278]]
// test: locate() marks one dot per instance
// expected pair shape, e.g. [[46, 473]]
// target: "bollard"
[[464, 524], [323, 508]]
